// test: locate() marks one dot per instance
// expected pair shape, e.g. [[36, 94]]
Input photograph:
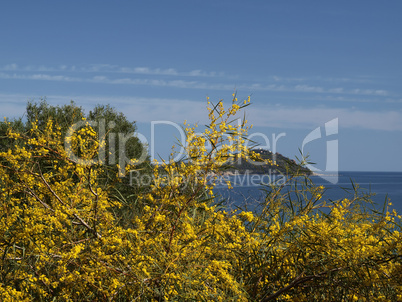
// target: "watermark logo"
[[331, 169], [119, 156], [236, 179]]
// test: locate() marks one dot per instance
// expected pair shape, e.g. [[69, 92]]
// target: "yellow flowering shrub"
[[61, 238]]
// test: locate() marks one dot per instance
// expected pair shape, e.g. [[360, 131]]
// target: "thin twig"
[[32, 193]]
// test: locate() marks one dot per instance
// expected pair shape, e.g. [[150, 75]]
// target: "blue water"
[[247, 189]]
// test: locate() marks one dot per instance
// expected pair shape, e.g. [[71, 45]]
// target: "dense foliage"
[[65, 237]]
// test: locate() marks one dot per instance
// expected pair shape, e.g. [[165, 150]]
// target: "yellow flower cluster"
[[61, 239]]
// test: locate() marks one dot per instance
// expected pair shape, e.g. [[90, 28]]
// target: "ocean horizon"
[[381, 184]]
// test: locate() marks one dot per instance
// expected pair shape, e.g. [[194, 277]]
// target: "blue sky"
[[304, 63]]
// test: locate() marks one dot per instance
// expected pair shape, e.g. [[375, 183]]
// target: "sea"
[[250, 189]]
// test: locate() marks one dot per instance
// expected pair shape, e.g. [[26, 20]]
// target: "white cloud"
[[109, 68], [356, 79], [99, 78], [336, 90], [307, 88], [380, 92], [287, 79], [369, 92], [170, 77], [48, 77], [186, 84], [10, 67], [177, 110], [39, 76], [148, 71]]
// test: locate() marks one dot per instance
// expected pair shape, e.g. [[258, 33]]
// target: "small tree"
[[113, 130]]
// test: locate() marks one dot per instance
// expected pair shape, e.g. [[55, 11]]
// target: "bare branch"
[[48, 186], [32, 193]]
